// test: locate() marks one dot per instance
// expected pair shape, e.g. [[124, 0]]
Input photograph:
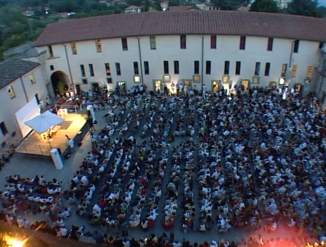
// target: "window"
[[11, 92], [117, 68], [196, 67], [74, 48], [107, 69], [208, 67], [146, 67], [82, 70], [284, 67], [237, 68], [183, 42], [270, 44], [294, 70], [50, 50], [3, 128], [98, 45], [124, 44], [257, 68], [31, 78], [242, 42], [166, 67], [196, 78], [176, 67], [152, 41], [296, 46], [226, 67], [213, 41], [91, 69], [84, 81], [321, 45], [309, 71], [267, 69], [51, 67], [136, 69], [109, 80]]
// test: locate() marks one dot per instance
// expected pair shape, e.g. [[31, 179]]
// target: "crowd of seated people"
[[79, 233], [254, 158]]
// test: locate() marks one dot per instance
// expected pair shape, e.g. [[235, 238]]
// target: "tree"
[[230, 4], [269, 6], [303, 7], [322, 11]]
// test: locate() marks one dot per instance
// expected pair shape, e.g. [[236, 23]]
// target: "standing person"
[[71, 144], [124, 228], [90, 124], [94, 140]]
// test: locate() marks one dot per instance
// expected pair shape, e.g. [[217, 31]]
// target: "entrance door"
[[95, 87], [37, 99], [215, 86], [158, 86], [297, 87], [272, 84], [78, 88], [187, 83], [245, 84], [122, 86]]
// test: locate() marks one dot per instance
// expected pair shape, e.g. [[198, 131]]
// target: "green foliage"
[[174, 2], [230, 4], [303, 7], [321, 11], [269, 6]]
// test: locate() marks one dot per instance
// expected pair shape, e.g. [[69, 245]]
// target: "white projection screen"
[[26, 113]]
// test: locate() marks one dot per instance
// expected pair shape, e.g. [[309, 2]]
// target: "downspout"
[[141, 63], [202, 62], [321, 85], [24, 89], [70, 74], [291, 54]]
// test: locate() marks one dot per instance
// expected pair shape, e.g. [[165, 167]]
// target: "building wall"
[[168, 49], [9, 106]]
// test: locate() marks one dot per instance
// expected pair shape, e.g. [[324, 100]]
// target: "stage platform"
[[74, 126]]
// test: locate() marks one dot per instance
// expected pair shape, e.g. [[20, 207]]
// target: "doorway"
[[215, 86], [297, 87], [245, 85], [95, 87], [158, 86], [78, 90], [122, 86], [60, 82], [272, 84], [37, 99]]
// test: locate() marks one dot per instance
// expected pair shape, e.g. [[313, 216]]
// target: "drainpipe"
[[320, 85], [291, 54], [141, 63], [71, 80], [202, 62], [24, 89]]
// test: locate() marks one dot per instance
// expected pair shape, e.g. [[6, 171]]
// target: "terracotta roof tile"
[[13, 68], [186, 22]]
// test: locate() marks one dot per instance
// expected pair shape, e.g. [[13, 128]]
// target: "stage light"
[[13, 242]]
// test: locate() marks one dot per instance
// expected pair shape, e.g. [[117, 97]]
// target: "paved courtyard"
[[30, 167]]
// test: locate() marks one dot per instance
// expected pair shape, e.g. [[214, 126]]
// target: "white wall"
[[8, 106], [168, 49]]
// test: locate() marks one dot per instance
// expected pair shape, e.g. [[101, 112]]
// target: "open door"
[[158, 86], [215, 86], [122, 86], [272, 84], [297, 87], [245, 84]]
